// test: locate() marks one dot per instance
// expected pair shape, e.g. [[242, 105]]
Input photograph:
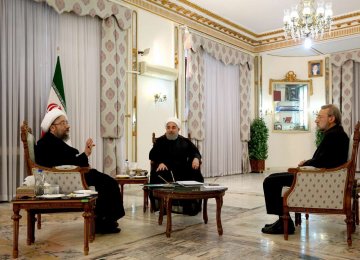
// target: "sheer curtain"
[[30, 34], [222, 144]]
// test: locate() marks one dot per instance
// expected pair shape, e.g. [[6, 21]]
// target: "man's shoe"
[[278, 228], [268, 225], [107, 230]]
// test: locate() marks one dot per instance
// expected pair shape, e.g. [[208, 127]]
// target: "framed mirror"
[[291, 97]]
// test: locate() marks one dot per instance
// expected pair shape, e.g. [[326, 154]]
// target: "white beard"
[[172, 137]]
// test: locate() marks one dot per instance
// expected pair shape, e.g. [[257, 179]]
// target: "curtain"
[[345, 87], [221, 151], [197, 46], [30, 34]]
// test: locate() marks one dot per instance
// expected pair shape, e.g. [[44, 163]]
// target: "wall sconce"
[[159, 98], [144, 52], [268, 112]]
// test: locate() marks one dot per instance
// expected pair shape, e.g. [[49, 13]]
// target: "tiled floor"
[[243, 216]]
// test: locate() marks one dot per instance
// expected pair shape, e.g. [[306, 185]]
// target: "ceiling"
[[262, 17]]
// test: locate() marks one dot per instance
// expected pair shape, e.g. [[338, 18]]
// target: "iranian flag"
[[57, 94]]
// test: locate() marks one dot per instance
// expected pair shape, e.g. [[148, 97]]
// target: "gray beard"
[[172, 137]]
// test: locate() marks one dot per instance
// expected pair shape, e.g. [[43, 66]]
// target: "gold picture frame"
[[315, 68]]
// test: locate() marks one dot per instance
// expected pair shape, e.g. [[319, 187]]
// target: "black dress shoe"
[[278, 228], [268, 225], [107, 230]]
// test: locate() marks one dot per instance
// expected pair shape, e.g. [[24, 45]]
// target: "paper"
[[214, 187], [190, 183]]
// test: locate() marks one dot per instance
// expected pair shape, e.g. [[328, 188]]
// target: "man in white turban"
[[51, 150], [176, 158]]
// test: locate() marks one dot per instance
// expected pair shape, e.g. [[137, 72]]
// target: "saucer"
[[51, 196]]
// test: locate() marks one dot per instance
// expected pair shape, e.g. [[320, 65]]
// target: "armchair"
[[68, 180], [327, 191]]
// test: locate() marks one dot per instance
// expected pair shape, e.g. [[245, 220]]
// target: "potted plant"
[[258, 145], [319, 136]]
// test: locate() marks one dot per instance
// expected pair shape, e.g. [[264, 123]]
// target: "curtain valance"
[[340, 58], [219, 51], [101, 8]]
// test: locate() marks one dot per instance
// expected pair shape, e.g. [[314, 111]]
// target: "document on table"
[[189, 183]]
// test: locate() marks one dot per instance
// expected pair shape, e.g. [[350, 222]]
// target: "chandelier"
[[308, 20]]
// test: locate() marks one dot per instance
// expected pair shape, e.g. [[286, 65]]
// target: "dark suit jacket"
[[332, 151]]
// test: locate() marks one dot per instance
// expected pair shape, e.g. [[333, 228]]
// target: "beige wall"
[[287, 149], [157, 34]]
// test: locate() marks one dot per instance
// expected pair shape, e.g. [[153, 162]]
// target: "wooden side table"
[[34, 206], [167, 195], [123, 181]]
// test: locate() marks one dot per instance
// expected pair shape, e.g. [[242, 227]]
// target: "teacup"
[[51, 189]]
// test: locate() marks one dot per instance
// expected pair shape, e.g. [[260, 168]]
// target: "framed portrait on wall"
[[315, 68]]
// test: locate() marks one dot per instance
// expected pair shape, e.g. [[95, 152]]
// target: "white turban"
[[50, 117], [174, 120]]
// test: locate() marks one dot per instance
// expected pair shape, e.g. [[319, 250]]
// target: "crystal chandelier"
[[308, 20]]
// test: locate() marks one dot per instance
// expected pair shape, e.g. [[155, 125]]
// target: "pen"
[[172, 176], [163, 179]]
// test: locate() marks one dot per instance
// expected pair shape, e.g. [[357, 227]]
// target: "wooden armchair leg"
[[297, 219], [286, 222]]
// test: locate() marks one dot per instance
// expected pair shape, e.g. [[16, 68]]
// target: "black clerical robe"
[[177, 155], [51, 151]]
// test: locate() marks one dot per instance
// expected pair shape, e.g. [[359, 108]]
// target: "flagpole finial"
[[57, 50]]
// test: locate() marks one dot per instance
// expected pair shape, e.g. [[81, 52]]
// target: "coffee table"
[[166, 195], [133, 180], [36, 205]]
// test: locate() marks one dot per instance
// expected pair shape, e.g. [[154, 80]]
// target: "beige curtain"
[[198, 44], [115, 25]]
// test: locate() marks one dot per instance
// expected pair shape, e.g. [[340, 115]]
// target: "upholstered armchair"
[[326, 191], [68, 180]]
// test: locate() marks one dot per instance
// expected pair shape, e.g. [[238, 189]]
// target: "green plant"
[[319, 137], [259, 134]]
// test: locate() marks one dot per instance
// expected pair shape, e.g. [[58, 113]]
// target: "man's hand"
[[195, 164], [161, 167], [302, 163], [88, 147]]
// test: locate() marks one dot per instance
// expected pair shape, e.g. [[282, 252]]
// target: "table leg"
[[30, 227], [219, 202], [146, 199], [161, 211], [168, 203], [87, 215], [122, 192], [205, 216], [16, 217]]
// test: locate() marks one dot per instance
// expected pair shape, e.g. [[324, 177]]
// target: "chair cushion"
[[319, 190], [31, 143], [67, 181]]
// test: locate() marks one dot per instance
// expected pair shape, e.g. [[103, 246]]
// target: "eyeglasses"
[[62, 123], [322, 116]]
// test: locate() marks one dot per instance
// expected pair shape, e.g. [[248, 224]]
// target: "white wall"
[[157, 34], [288, 149]]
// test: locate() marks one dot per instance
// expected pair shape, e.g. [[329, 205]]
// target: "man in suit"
[[332, 152], [51, 150]]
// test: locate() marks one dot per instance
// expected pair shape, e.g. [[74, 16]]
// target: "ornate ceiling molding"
[[204, 21]]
